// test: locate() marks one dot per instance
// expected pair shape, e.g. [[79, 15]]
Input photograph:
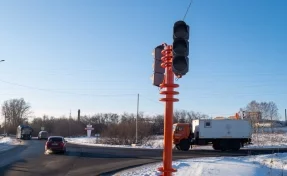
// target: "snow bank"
[[7, 143], [275, 164], [93, 141]]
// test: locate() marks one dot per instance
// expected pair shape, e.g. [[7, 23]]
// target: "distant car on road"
[[56, 144], [43, 135]]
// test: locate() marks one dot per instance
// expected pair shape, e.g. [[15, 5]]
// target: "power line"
[[63, 92], [206, 94], [187, 10], [152, 100]]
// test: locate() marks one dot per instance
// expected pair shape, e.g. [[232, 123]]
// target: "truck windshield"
[[173, 127], [26, 130], [177, 128]]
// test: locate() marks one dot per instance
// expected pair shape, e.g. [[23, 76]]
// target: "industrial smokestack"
[[79, 115]]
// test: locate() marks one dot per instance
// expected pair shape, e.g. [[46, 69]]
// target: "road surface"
[[29, 159]]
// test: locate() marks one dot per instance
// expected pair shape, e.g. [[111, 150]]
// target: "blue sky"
[[96, 55]]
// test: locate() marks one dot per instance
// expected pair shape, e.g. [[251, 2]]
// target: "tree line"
[[116, 128]]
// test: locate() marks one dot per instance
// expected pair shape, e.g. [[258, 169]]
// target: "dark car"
[[56, 144]]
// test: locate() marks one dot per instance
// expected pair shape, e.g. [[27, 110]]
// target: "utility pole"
[[5, 124], [285, 117], [137, 118], [69, 123], [4, 114]]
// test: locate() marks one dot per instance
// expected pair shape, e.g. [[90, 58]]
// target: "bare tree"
[[268, 110], [124, 133], [258, 112], [272, 113], [195, 115], [16, 112], [158, 125], [179, 116]]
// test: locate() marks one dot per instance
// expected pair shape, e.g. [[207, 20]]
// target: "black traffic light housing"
[[180, 46], [158, 75]]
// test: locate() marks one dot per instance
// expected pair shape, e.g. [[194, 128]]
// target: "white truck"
[[24, 132], [223, 134]]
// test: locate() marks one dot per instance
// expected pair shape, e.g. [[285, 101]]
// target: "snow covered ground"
[[266, 140], [262, 165], [93, 141], [7, 143]]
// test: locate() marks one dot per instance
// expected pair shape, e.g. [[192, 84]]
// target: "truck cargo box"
[[226, 128]]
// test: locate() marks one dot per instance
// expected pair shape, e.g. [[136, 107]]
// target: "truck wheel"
[[223, 145], [184, 144], [235, 145], [216, 146]]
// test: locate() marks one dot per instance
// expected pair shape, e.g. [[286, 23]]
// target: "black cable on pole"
[[187, 10]]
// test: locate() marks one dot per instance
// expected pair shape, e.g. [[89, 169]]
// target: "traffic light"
[[158, 75], [180, 61]]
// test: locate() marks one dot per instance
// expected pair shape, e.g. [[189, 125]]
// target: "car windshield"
[[56, 139]]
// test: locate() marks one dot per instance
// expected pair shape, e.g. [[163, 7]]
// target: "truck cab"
[[182, 135]]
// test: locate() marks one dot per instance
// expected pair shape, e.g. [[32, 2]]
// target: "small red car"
[[56, 144]]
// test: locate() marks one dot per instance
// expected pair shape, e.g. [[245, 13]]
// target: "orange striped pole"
[[168, 86]]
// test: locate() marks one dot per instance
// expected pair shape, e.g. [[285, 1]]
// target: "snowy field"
[[261, 165], [151, 144], [7, 143], [93, 141], [268, 141]]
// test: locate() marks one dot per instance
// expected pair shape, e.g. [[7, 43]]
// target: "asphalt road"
[[29, 159]]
